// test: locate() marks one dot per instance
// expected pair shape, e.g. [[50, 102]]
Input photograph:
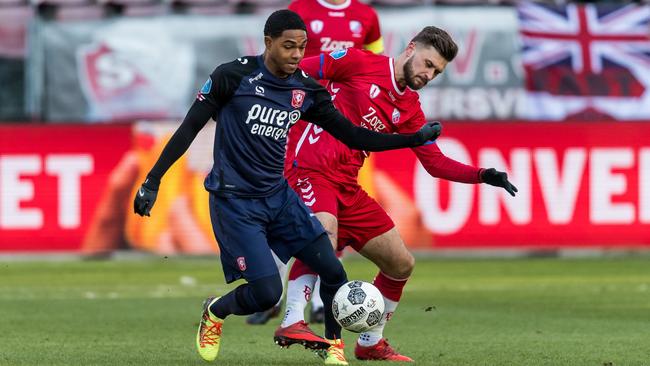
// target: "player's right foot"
[[262, 317], [334, 355], [208, 338], [299, 333], [380, 351]]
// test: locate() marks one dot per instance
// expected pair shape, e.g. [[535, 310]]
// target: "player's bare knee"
[[399, 267]]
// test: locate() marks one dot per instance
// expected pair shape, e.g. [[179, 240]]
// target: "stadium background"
[[558, 95]]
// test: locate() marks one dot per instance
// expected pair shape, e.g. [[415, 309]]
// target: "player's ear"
[[410, 49], [268, 41]]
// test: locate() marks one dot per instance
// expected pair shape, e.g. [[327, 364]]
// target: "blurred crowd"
[[96, 9]]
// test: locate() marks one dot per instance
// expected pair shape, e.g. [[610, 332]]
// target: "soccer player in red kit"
[[338, 24], [331, 25], [379, 92]]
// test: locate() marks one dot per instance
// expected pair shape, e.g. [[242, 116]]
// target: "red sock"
[[390, 288], [298, 269]]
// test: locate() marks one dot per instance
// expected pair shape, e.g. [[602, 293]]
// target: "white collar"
[[392, 77], [334, 7]]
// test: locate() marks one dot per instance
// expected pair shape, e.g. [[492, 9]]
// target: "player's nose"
[[296, 54]]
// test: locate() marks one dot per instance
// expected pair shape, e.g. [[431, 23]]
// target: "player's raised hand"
[[428, 132], [496, 178], [145, 197]]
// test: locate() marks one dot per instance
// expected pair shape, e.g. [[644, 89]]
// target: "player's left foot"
[[208, 338], [380, 351], [334, 355]]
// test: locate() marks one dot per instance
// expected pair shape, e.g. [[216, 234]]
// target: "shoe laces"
[[210, 330], [336, 349]]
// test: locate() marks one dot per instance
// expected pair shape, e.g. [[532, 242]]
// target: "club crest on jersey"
[[356, 27], [297, 98], [241, 263], [396, 116], [316, 26], [374, 91], [339, 54]]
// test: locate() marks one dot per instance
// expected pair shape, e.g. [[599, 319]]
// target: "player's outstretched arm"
[[360, 138], [196, 118], [441, 166]]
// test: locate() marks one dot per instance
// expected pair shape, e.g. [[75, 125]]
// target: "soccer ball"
[[358, 306]]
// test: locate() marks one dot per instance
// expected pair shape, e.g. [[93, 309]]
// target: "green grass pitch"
[[453, 312]]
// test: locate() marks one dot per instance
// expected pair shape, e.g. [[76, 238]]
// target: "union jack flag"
[[585, 59]]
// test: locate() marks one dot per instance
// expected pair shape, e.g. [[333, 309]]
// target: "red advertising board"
[[51, 178], [580, 185]]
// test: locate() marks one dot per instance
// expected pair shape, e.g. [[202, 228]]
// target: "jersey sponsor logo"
[[297, 98], [338, 54], [327, 44], [241, 263], [371, 121], [395, 116], [259, 90], [316, 26], [356, 28], [271, 122], [256, 78], [374, 91]]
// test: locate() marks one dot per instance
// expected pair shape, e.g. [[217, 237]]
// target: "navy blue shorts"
[[247, 229]]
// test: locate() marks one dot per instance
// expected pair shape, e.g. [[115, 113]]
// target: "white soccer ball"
[[358, 306]]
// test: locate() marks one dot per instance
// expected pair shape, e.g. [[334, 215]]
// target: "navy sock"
[[249, 298]]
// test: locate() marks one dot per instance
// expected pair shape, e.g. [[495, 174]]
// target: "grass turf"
[[454, 312]]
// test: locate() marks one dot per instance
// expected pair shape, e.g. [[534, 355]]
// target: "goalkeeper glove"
[[430, 131], [496, 178], [145, 197]]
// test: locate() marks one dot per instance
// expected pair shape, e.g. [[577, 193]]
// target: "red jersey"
[[330, 27], [364, 89]]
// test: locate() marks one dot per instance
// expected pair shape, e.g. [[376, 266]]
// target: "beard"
[[409, 75]]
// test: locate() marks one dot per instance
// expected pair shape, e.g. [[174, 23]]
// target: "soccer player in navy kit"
[[255, 100]]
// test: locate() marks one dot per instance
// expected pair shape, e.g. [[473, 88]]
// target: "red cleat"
[[299, 333], [380, 351]]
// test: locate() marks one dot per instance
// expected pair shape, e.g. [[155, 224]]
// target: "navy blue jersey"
[[254, 111]]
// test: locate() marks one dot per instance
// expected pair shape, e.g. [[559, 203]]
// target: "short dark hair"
[[282, 20], [438, 39]]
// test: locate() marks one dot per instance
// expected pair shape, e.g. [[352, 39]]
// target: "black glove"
[[146, 196], [428, 132], [496, 178]]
